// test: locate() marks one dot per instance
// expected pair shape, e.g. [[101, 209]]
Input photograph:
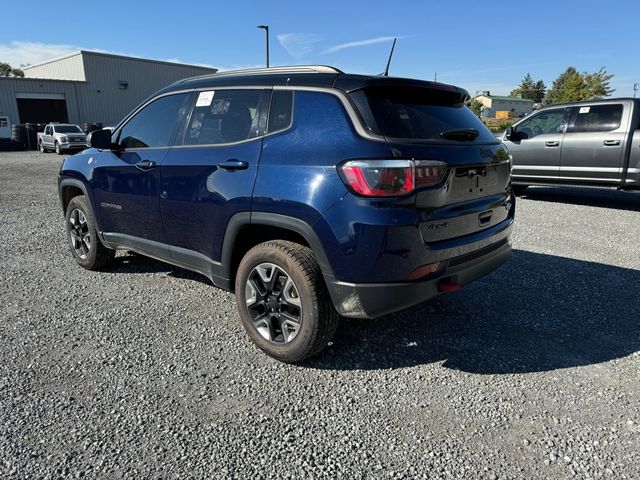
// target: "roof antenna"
[[386, 70]]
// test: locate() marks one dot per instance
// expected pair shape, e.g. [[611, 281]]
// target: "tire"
[[317, 319], [519, 190], [58, 149], [85, 246], [41, 147]]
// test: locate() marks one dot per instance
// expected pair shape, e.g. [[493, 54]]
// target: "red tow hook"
[[448, 286]]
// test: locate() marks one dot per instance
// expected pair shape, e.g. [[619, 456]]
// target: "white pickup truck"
[[61, 137]]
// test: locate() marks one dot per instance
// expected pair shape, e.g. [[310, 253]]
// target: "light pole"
[[635, 89], [266, 29]]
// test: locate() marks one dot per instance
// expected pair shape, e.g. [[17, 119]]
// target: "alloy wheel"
[[79, 233], [274, 304]]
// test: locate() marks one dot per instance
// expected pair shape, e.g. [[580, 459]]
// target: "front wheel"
[[82, 234], [283, 301], [41, 147], [58, 149]]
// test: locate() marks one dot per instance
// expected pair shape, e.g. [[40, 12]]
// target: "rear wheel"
[[85, 245], [283, 302]]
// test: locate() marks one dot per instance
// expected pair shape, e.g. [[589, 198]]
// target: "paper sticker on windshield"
[[204, 99], [582, 109]]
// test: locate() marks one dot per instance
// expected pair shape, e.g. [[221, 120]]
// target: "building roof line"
[[126, 57], [36, 79], [56, 59], [506, 97]]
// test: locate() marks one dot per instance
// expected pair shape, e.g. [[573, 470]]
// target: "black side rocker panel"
[[220, 272]]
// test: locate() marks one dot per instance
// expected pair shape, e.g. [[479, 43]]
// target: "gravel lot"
[[144, 370]]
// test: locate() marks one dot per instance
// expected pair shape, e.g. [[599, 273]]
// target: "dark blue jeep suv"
[[309, 192]]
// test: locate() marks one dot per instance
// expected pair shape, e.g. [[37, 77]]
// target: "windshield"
[[68, 129], [419, 113]]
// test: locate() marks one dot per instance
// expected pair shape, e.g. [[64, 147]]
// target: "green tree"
[[598, 83], [528, 88], [7, 70], [475, 106], [572, 86]]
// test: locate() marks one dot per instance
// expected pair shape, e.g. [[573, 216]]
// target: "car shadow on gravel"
[[132, 262], [536, 313], [592, 197]]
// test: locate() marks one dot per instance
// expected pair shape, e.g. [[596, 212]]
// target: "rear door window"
[[226, 116], [597, 118], [417, 113]]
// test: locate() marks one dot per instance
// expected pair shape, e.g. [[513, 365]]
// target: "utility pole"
[[266, 29], [635, 89], [435, 76]]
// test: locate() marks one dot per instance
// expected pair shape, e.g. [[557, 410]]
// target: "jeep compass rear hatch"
[[431, 127]]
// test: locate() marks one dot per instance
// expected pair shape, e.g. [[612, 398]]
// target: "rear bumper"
[[372, 300]]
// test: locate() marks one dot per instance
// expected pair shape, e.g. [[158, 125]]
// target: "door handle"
[[234, 164], [552, 143], [611, 143], [146, 165]]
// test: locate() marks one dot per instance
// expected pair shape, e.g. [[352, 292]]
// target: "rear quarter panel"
[[297, 174]]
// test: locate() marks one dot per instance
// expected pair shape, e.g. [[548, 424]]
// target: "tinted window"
[[280, 112], [598, 118], [155, 124], [225, 116], [546, 122], [68, 129], [416, 113]]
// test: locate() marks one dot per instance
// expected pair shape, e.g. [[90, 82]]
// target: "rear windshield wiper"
[[461, 134]]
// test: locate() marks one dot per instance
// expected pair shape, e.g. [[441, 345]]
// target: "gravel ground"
[[144, 370]]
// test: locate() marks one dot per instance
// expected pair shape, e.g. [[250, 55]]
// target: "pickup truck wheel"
[[85, 245], [41, 147], [283, 302], [58, 149]]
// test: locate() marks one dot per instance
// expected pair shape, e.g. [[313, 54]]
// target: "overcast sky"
[[477, 45]]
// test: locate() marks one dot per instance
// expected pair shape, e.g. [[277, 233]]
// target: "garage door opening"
[[42, 110]]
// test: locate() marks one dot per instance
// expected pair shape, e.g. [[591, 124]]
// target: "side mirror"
[[515, 136], [100, 139]]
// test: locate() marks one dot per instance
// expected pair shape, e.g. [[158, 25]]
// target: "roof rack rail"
[[268, 71], [290, 69]]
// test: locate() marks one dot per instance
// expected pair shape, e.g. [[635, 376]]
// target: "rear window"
[[598, 118], [417, 113]]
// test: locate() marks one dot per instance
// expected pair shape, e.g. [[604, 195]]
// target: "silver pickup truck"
[[61, 137], [585, 143]]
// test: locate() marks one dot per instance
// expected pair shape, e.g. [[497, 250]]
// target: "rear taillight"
[[389, 178]]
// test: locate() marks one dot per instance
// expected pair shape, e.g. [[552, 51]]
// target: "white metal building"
[[86, 87], [515, 106]]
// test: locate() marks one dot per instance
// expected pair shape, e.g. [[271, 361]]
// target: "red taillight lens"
[[388, 178]]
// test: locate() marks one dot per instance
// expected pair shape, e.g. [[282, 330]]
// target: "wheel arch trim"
[[293, 224], [74, 182]]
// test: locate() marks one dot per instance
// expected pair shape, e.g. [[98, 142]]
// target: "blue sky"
[[474, 44]]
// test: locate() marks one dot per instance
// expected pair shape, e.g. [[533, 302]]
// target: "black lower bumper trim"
[[377, 299]]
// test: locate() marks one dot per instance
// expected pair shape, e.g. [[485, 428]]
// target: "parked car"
[[61, 137], [306, 191], [584, 143]]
